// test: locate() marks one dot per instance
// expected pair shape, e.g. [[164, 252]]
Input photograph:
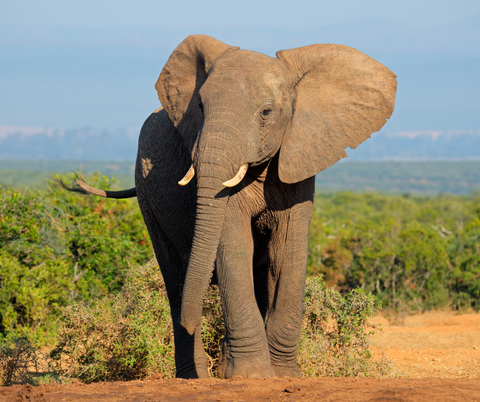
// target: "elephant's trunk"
[[215, 163]]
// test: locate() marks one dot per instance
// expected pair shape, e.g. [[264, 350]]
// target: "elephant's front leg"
[[190, 358], [245, 345], [288, 262]]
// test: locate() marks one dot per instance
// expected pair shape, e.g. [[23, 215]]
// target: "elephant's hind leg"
[[190, 357], [288, 258]]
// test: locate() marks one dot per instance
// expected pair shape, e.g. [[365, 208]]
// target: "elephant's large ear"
[[181, 79], [342, 97]]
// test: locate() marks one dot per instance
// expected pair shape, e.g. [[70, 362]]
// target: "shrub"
[[122, 337], [412, 253], [56, 247], [31, 297], [19, 361], [34, 278], [129, 336], [101, 234], [334, 341], [213, 329], [464, 250]]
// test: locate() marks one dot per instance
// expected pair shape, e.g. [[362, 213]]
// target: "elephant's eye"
[[265, 113], [200, 105]]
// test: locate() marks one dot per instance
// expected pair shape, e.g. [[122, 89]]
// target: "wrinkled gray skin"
[[287, 117]]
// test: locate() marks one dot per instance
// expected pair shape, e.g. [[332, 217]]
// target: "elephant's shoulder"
[[158, 132]]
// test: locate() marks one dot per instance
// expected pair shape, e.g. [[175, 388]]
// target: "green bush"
[[412, 253], [464, 251], [34, 278], [31, 297], [334, 341], [56, 247], [101, 234], [130, 336], [119, 337]]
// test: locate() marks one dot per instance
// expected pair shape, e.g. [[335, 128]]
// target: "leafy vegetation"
[[65, 279], [130, 336], [119, 337], [412, 253], [334, 341], [56, 247]]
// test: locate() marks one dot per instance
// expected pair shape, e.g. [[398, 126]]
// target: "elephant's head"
[[238, 108]]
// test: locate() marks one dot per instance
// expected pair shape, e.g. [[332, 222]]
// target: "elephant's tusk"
[[188, 176], [89, 189], [238, 177]]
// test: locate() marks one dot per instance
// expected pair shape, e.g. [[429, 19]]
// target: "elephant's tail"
[[80, 186]]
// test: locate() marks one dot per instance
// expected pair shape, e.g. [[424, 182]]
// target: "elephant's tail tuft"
[[70, 183]]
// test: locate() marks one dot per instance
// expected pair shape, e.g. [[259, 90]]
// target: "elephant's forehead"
[[249, 69]]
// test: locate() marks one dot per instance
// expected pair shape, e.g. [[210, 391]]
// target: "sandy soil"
[[437, 344], [438, 355]]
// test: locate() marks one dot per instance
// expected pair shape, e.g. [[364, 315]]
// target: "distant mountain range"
[[85, 143]]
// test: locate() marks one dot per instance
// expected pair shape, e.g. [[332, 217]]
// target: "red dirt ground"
[[435, 344], [437, 355]]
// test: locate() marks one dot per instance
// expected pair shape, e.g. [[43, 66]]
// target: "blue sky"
[[94, 63], [220, 14]]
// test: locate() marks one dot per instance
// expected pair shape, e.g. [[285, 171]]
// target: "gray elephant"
[[225, 182]]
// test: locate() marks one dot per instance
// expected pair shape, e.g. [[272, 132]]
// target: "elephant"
[[225, 176]]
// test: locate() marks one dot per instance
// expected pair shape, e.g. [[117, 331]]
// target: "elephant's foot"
[[255, 367], [283, 371], [248, 368]]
